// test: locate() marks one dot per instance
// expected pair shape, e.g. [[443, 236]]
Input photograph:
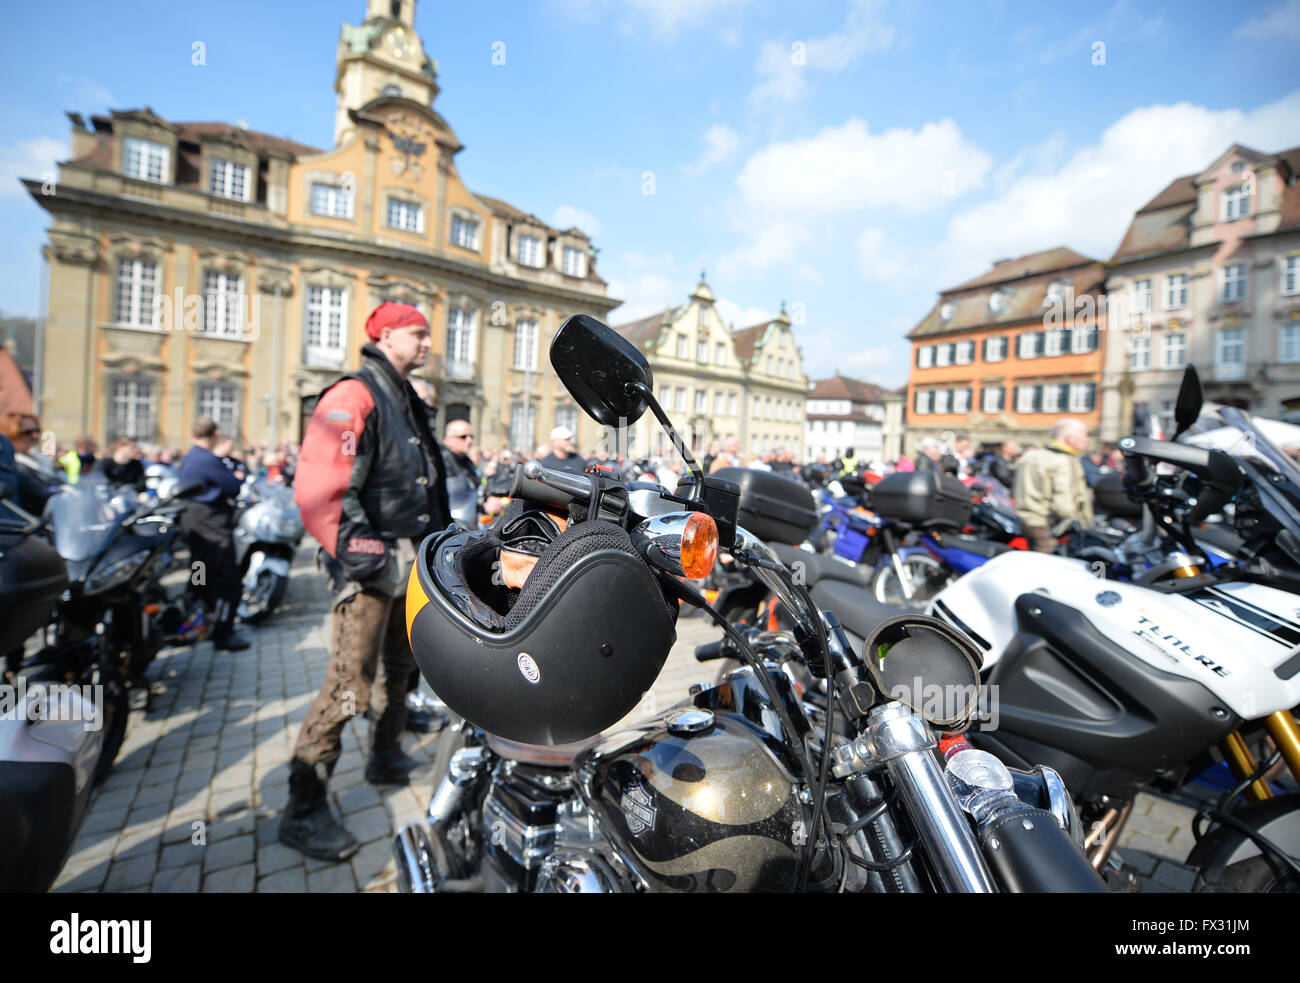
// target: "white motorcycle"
[[1120, 685], [266, 536]]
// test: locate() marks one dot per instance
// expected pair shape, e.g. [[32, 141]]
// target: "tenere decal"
[[1248, 615], [1172, 646], [528, 668], [638, 810]]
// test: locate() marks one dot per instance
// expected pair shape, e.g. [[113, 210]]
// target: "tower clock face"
[[398, 42]]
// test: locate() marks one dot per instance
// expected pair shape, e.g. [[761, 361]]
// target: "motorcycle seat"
[[545, 756], [986, 548], [856, 608], [817, 567]]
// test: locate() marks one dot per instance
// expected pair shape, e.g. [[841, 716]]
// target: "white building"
[[845, 418]]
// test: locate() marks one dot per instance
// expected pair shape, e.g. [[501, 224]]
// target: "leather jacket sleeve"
[[332, 469]]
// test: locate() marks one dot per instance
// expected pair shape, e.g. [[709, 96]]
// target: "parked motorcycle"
[[107, 626], [50, 740], [1120, 685], [266, 537], [736, 788]]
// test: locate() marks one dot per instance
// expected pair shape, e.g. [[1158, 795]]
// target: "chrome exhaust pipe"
[[417, 871]]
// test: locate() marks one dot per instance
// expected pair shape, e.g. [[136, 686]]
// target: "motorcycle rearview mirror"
[[597, 366], [927, 665], [611, 380], [1187, 408]]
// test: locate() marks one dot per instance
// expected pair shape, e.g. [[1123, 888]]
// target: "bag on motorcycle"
[[773, 508], [922, 497]]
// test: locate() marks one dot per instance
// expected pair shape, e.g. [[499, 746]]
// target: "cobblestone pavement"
[[194, 800]]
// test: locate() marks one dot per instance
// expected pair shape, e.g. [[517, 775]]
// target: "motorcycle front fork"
[[1282, 727]]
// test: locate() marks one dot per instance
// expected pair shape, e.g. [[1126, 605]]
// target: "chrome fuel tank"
[[704, 797]]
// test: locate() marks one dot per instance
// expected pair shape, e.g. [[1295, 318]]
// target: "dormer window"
[[332, 200], [1056, 291], [390, 90], [998, 301], [575, 263], [464, 232], [1234, 204], [530, 251], [226, 179], [947, 310], [145, 160]]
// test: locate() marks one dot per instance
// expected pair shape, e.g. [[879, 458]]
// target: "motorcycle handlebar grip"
[[540, 484], [710, 651]]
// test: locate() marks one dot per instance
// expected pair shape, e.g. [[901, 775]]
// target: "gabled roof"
[[260, 142], [193, 132], [645, 331], [1007, 270], [1024, 299], [1164, 224], [747, 339], [15, 396], [842, 387]]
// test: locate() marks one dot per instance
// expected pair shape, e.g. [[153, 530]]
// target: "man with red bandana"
[[370, 485]]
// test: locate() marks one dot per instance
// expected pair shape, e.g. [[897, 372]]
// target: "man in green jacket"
[[1051, 491], [81, 458]]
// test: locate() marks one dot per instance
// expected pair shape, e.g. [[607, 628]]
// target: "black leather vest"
[[404, 491]]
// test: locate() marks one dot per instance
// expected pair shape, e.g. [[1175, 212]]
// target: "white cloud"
[[86, 94], [736, 316], [664, 19], [774, 245], [848, 168], [720, 144], [783, 67], [877, 260], [1281, 22], [34, 158], [566, 217], [1088, 201], [643, 294]]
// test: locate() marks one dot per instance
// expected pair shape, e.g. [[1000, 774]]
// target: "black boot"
[[224, 636], [308, 826], [390, 766]]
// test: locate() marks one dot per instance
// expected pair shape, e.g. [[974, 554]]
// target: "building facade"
[[715, 383], [1208, 273], [1008, 353], [845, 418], [204, 269]]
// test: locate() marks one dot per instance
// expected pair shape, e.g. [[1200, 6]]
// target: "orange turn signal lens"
[[699, 546], [152, 608]]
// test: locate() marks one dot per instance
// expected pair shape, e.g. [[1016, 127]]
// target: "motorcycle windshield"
[[462, 497], [265, 491], [1274, 472], [84, 517]]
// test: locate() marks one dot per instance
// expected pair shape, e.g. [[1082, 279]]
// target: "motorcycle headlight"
[[116, 572], [287, 528]]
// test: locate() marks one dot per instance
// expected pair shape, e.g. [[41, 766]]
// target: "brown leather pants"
[[1040, 538], [369, 651]]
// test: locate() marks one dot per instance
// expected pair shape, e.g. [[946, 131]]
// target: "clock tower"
[[382, 57]]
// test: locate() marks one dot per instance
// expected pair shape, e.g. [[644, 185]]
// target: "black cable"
[[885, 866], [1226, 801], [823, 779]]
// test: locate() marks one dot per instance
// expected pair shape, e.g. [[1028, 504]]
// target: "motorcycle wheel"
[[259, 603], [116, 710], [927, 576], [1253, 875]]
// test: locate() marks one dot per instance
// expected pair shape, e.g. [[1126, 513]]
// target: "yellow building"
[[204, 269], [715, 383]]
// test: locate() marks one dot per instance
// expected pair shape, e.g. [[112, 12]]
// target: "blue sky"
[[849, 158]]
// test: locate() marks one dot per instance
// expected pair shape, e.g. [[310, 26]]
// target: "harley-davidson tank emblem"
[[638, 810]]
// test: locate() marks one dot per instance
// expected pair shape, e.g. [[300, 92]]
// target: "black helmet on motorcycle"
[[557, 660]]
